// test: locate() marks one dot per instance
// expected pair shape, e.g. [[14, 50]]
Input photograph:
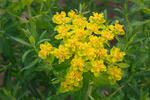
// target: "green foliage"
[[24, 24]]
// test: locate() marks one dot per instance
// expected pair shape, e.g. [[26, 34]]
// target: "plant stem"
[[89, 91], [116, 91]]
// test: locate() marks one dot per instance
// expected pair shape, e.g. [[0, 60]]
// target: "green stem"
[[29, 12], [116, 91], [18, 17], [42, 5], [89, 91]]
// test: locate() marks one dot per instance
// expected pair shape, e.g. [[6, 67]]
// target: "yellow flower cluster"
[[115, 73], [85, 42], [46, 50]]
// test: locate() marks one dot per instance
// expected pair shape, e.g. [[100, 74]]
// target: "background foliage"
[[24, 24]]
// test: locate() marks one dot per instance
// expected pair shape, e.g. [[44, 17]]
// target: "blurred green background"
[[24, 24]]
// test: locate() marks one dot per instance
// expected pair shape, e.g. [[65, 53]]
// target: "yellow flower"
[[61, 18], [81, 49], [115, 73], [108, 35], [93, 28], [65, 86], [111, 27], [78, 64], [98, 66], [62, 53], [95, 41], [101, 53], [46, 49], [97, 18], [72, 44], [72, 14], [73, 79], [90, 53], [116, 55], [80, 34], [79, 22], [119, 28], [78, 76], [63, 31]]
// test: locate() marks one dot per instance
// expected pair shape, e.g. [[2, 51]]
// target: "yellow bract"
[[78, 64], [63, 31], [107, 35], [72, 14], [97, 18], [98, 66], [62, 53], [85, 42], [60, 18], [115, 73], [46, 49], [116, 55]]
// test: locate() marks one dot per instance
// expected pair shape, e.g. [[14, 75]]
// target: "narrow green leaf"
[[20, 41], [42, 35], [43, 40], [123, 65], [33, 63], [25, 54]]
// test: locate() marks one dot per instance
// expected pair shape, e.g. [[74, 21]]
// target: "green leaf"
[[33, 63], [50, 59], [26, 2], [123, 65], [102, 80], [139, 23], [6, 94], [42, 35], [55, 81], [25, 54], [43, 40], [146, 10], [21, 41]]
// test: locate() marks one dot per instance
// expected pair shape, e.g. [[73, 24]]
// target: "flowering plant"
[[85, 42]]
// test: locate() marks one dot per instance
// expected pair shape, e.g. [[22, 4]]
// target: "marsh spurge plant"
[[86, 44]]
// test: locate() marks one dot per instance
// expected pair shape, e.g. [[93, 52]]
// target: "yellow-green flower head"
[[80, 34], [101, 53], [65, 86], [96, 42], [97, 18], [76, 76], [90, 53], [119, 28], [84, 49], [115, 73], [78, 64], [72, 44], [72, 14], [98, 66], [92, 27], [108, 35], [61, 18], [46, 49], [80, 22], [116, 55], [73, 80], [62, 53], [63, 31]]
